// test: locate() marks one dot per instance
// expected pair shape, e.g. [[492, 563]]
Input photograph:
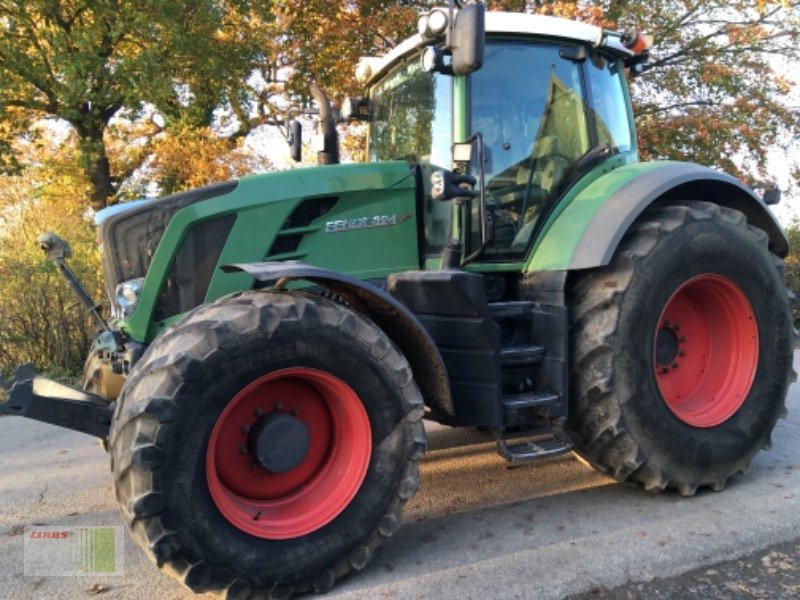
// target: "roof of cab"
[[519, 24]]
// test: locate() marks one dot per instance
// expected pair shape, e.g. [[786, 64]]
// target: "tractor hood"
[[354, 218]]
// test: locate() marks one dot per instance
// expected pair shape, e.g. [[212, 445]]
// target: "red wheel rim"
[[289, 504], [706, 350]]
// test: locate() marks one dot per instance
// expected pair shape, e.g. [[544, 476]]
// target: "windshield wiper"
[[594, 157]]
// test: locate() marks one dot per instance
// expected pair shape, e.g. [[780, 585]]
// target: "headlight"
[[422, 25], [437, 22], [433, 24], [433, 60], [365, 69], [127, 294]]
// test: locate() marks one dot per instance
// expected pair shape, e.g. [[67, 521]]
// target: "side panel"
[[586, 233], [452, 307], [368, 229]]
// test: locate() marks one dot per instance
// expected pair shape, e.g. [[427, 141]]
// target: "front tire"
[[682, 350], [267, 444]]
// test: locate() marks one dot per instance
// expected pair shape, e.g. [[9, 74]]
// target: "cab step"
[[504, 310], [516, 406], [521, 356], [519, 452]]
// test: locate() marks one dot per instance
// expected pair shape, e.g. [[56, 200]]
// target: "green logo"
[[62, 551], [94, 549]]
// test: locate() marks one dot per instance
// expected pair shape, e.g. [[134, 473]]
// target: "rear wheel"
[[682, 350], [267, 444]]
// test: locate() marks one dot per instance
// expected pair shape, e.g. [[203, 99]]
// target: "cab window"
[[528, 104], [609, 103]]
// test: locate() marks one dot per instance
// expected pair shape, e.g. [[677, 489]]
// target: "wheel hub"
[[278, 442], [288, 453], [666, 346]]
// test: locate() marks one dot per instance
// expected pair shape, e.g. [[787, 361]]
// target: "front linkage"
[[30, 395]]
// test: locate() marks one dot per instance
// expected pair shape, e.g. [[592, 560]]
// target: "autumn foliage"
[[190, 158], [40, 321]]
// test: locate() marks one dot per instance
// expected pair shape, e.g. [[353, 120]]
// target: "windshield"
[[412, 119], [528, 103]]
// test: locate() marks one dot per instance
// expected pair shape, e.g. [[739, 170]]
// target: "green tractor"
[[502, 261]]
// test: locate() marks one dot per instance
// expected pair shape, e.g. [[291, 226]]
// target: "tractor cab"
[[544, 112]]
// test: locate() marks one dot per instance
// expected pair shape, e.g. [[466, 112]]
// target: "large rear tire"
[[682, 350], [267, 444]]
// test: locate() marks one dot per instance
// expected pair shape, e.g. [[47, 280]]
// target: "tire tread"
[[601, 436], [144, 412]]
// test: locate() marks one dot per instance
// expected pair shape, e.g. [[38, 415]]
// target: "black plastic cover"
[[130, 238], [452, 307], [189, 276]]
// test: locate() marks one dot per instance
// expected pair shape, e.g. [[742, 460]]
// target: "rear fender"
[[586, 233], [396, 321]]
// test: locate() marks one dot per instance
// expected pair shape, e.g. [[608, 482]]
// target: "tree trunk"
[[94, 160]]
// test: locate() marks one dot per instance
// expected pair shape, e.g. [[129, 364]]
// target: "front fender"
[[396, 321], [586, 232]]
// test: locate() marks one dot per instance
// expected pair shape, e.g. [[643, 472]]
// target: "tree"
[[40, 321], [324, 39], [714, 93], [83, 62], [194, 157], [715, 90]]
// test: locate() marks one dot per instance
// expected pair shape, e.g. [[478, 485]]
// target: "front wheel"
[[682, 350], [267, 444]]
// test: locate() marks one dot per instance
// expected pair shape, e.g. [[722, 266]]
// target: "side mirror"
[[295, 139], [467, 39], [464, 31], [355, 109], [772, 195]]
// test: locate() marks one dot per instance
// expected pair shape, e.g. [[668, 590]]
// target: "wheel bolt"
[[666, 323], [243, 449], [277, 406], [674, 365], [681, 339], [245, 428], [675, 327], [681, 353], [295, 412], [259, 412]]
